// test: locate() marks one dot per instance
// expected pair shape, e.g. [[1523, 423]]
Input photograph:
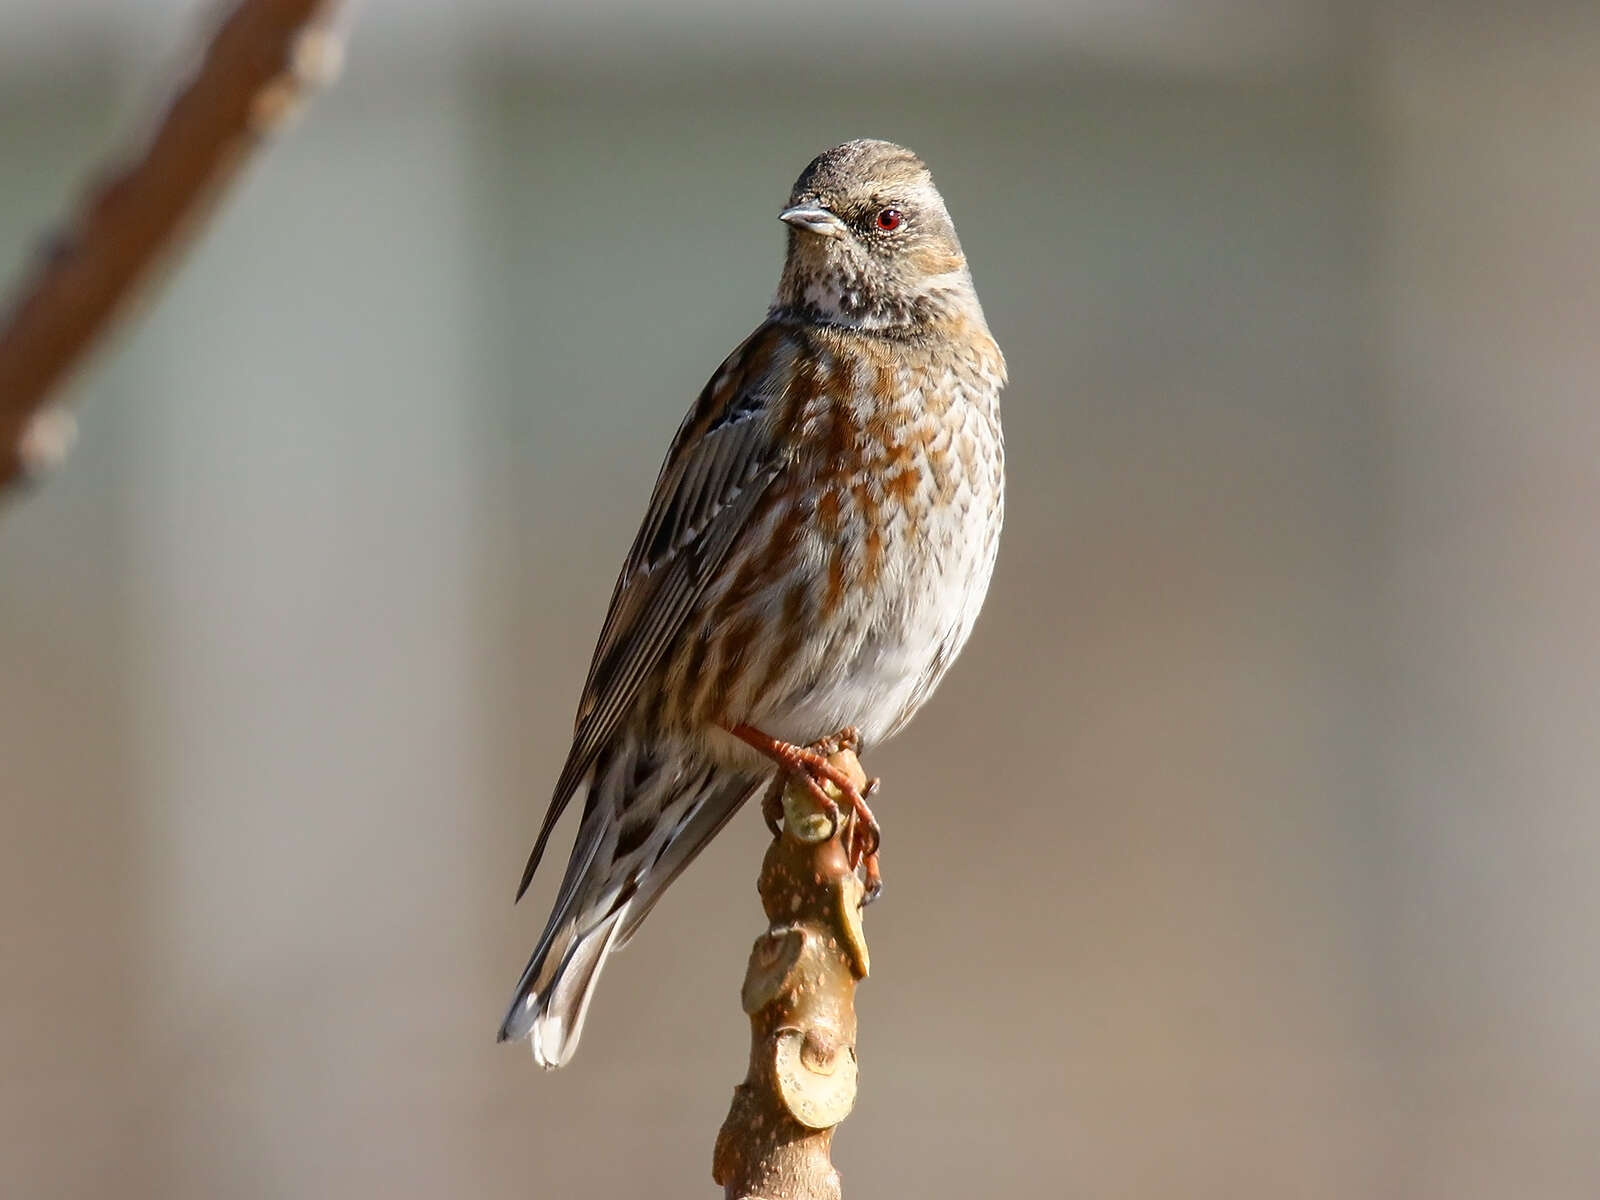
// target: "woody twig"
[[799, 992], [261, 61]]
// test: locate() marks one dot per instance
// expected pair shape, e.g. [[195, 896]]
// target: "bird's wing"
[[723, 459]]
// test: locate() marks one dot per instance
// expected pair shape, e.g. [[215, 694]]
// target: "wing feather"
[[722, 461]]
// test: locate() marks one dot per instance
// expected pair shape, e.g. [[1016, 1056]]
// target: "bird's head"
[[872, 246]]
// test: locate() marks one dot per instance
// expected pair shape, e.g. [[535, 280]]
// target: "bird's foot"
[[866, 835], [805, 763], [810, 765]]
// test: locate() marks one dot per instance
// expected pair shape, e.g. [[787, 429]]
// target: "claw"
[[865, 830], [872, 885], [772, 807]]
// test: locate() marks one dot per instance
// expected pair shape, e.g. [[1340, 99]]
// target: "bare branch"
[[799, 991], [257, 65]]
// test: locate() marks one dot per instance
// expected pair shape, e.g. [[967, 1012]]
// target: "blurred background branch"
[[261, 60]]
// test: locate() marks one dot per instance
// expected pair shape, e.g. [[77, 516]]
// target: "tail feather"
[[725, 799], [647, 815], [552, 998]]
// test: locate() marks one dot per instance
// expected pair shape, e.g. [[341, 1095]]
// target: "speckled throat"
[[843, 294]]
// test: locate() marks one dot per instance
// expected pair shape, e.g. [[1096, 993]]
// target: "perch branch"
[[799, 992], [258, 64]]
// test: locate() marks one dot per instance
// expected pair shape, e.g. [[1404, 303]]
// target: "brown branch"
[[257, 65], [799, 991]]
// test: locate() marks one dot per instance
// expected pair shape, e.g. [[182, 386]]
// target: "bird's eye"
[[889, 220]]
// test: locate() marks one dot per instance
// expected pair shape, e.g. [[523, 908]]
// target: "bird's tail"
[[552, 997], [646, 818]]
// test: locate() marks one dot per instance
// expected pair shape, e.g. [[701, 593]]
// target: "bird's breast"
[[904, 474], [862, 570]]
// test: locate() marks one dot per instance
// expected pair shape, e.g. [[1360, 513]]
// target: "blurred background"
[[1251, 849]]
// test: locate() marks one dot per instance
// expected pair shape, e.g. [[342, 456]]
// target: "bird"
[[813, 557]]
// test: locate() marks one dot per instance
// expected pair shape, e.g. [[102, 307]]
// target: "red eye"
[[889, 220]]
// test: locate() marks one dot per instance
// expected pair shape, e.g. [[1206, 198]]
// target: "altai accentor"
[[813, 558]]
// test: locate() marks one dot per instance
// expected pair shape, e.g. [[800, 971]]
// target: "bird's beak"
[[813, 218]]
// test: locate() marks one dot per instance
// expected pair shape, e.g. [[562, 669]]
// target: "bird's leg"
[[810, 763]]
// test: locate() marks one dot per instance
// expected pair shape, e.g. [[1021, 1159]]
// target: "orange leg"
[[810, 763]]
